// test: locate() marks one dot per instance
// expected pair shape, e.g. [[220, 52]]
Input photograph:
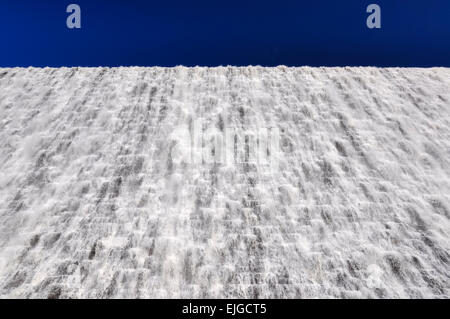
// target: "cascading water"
[[107, 191]]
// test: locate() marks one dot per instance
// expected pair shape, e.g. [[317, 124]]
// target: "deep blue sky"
[[168, 33]]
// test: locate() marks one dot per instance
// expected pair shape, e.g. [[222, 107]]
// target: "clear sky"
[[211, 33]]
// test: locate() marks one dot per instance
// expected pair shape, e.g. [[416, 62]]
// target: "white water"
[[93, 205]]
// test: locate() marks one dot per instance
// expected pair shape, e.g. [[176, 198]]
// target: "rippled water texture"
[[94, 204]]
